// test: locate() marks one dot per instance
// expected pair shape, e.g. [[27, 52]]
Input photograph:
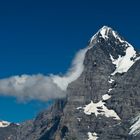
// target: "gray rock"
[[63, 121]]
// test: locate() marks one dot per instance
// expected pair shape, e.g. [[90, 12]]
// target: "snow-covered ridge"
[[123, 63], [77, 66], [103, 31], [4, 123]]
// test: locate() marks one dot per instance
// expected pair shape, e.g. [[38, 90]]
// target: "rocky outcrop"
[[93, 84]]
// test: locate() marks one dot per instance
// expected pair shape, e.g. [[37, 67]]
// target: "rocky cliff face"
[[102, 104]]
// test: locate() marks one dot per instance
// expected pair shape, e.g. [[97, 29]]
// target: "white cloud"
[[73, 73], [26, 87], [41, 87]]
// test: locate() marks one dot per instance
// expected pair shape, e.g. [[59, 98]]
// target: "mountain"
[[103, 103]]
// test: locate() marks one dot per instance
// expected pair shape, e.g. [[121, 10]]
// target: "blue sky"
[[43, 36]]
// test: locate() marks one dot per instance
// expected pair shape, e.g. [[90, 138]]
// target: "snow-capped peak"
[[104, 31], [123, 62], [4, 123]]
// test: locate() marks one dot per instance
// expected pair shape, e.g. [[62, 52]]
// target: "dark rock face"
[[43, 127], [8, 133], [66, 121]]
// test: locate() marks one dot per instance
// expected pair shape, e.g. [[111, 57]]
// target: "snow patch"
[[79, 119], [117, 37], [135, 128], [92, 136], [123, 63], [110, 81], [138, 58], [79, 107], [4, 123], [110, 90], [104, 32], [106, 97], [92, 39], [99, 108]]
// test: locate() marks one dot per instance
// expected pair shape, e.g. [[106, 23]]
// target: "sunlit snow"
[[99, 108], [123, 63], [110, 81], [135, 128], [106, 97], [110, 90], [4, 123], [104, 32], [117, 37], [92, 136]]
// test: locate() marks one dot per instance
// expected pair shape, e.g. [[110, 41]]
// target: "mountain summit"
[[103, 98]]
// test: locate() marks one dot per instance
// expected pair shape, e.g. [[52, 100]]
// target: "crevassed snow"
[[135, 128], [106, 97], [92, 136], [123, 63], [99, 108], [4, 123]]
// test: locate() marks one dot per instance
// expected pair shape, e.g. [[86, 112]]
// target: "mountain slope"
[[86, 108], [103, 103]]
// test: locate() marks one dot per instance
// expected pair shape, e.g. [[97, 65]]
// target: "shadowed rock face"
[[69, 118]]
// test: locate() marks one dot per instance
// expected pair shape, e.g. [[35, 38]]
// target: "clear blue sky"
[[43, 36]]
